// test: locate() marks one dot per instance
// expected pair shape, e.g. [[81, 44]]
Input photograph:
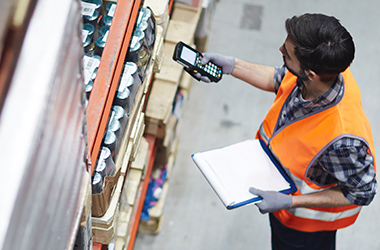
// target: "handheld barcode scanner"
[[191, 60]]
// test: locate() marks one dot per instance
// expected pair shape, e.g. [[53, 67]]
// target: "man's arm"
[[273, 201], [332, 197], [260, 76]]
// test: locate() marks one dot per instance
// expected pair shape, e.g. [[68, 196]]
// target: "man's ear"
[[311, 75]]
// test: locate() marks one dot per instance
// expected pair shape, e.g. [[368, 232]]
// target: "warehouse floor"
[[231, 111]]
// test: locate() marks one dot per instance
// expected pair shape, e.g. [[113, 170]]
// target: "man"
[[318, 131]]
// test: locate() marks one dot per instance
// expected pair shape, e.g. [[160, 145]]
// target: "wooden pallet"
[[104, 228], [181, 27], [159, 107], [183, 24], [132, 183]]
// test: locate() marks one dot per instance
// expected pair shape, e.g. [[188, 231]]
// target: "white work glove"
[[227, 63], [272, 200]]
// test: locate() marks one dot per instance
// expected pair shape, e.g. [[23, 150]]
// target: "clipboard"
[[233, 169]]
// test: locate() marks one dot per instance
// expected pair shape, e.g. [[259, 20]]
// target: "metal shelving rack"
[[102, 95], [98, 109], [108, 76]]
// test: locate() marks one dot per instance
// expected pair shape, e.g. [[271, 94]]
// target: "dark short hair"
[[322, 44]]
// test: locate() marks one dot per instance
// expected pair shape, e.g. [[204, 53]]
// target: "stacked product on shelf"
[[63, 123], [169, 93], [124, 140], [76, 131], [97, 17]]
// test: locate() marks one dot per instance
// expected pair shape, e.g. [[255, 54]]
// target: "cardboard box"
[[101, 202], [104, 228]]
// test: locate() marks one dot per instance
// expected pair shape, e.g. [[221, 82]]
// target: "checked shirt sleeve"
[[348, 162], [279, 74]]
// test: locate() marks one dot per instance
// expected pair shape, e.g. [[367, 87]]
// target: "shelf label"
[[111, 12], [89, 65], [87, 8], [105, 36], [84, 35]]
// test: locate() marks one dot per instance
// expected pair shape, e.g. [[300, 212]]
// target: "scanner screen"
[[188, 55]]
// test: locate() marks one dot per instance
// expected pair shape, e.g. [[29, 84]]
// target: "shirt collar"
[[327, 98]]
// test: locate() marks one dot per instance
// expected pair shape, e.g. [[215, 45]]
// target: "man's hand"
[[272, 200], [227, 63]]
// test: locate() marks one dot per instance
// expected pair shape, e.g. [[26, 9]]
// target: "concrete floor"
[[231, 111]]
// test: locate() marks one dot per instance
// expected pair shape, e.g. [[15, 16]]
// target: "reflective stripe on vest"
[[324, 216], [263, 135]]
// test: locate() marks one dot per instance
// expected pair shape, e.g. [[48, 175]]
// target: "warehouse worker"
[[318, 131]]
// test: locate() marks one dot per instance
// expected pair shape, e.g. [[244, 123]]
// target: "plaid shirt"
[[346, 161]]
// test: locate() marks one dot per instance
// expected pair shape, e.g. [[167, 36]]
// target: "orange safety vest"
[[299, 143]]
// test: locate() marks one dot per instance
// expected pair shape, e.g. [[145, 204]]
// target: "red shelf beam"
[[108, 75]]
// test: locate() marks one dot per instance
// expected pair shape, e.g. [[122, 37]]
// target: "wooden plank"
[[158, 50], [186, 13], [127, 156], [183, 24], [161, 99], [106, 235], [170, 70], [137, 134], [132, 184], [180, 31], [157, 127], [122, 228], [148, 78], [141, 159]]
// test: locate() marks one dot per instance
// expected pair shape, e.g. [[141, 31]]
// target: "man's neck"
[[313, 89]]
